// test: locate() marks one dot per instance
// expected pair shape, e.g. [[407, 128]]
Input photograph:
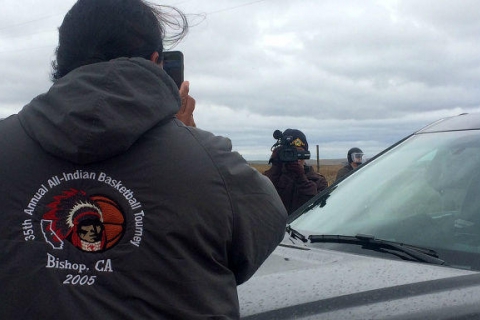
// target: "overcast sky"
[[345, 72]]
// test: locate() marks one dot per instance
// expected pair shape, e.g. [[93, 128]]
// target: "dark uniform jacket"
[[295, 189], [342, 172], [113, 209]]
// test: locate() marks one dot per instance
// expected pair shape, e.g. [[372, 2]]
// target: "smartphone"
[[173, 66]]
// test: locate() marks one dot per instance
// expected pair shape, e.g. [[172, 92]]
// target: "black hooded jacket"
[[113, 209]]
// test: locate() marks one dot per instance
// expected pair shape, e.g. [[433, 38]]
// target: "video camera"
[[286, 151]]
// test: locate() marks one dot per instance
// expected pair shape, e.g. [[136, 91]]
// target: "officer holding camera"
[[295, 181]]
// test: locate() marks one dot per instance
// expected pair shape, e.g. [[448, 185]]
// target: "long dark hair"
[[101, 30]]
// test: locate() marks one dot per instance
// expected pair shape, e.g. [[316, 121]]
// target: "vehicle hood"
[[295, 282]]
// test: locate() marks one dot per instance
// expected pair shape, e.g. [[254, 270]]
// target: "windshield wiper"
[[418, 253], [295, 234]]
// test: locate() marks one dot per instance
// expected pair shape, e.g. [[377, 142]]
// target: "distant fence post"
[[318, 159]]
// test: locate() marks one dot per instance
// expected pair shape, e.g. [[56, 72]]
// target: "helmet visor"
[[357, 157]]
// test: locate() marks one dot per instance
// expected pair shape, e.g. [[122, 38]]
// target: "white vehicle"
[[399, 238]]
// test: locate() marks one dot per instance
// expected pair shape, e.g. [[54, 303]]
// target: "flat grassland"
[[328, 171]]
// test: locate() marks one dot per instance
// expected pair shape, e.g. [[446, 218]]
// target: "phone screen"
[[173, 66]]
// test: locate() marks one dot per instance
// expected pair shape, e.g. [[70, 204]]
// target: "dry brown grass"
[[328, 171]]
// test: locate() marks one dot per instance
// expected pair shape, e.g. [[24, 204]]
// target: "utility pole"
[[318, 159]]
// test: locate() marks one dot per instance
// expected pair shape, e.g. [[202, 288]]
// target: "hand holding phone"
[[185, 114], [173, 65]]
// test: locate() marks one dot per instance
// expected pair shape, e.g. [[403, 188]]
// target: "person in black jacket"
[[112, 207], [295, 181], [354, 158]]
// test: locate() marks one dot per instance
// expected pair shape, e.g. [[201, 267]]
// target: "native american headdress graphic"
[[72, 210]]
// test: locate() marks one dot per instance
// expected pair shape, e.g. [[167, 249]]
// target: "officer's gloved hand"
[[295, 167]]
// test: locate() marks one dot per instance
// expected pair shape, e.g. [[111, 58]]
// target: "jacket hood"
[[99, 110]]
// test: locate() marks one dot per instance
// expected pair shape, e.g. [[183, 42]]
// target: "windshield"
[[422, 192]]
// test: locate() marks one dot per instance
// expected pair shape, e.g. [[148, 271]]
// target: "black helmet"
[[297, 134], [352, 152]]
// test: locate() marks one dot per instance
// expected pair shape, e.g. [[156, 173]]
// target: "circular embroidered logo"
[[90, 223]]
